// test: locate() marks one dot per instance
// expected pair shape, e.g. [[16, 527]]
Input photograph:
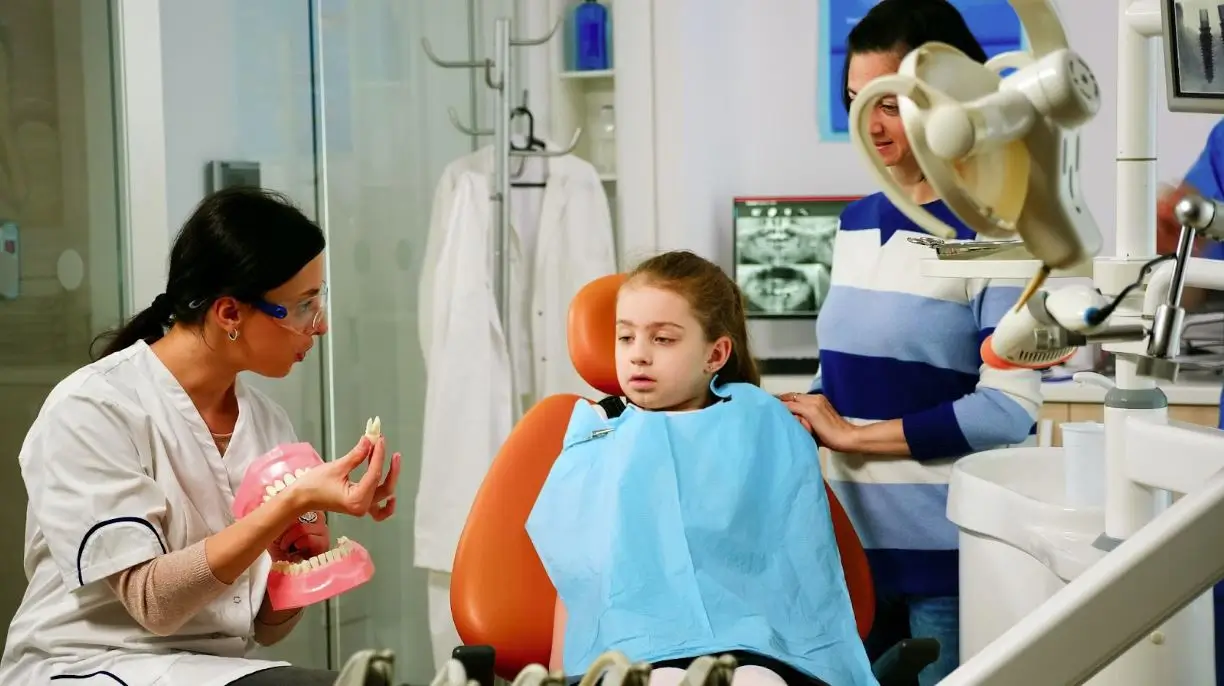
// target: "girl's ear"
[[720, 352]]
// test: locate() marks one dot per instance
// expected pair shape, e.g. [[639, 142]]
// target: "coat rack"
[[499, 77]]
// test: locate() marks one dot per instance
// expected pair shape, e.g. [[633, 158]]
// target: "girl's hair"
[[239, 242], [903, 25], [716, 302]]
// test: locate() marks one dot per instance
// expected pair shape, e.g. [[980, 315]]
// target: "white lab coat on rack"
[[560, 239]]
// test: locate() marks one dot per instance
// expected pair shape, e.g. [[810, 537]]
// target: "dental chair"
[[501, 598]]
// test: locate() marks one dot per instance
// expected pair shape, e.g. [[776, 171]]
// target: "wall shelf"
[[577, 98], [592, 75]]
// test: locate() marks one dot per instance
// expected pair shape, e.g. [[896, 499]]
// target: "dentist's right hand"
[[329, 487]]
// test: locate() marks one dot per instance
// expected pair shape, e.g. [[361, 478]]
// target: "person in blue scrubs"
[[1206, 177]]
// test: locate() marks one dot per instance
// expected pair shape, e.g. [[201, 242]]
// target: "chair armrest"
[[900, 664], [478, 662]]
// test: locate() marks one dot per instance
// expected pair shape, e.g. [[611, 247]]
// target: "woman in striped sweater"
[[902, 391]]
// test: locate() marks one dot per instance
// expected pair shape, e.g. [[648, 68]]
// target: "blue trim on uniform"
[[116, 520], [91, 675]]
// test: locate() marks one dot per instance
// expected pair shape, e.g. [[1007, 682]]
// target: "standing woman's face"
[[887, 132], [271, 345]]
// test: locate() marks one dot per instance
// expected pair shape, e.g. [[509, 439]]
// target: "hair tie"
[[163, 307]]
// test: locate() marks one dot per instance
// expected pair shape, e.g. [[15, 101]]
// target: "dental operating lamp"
[[1004, 154]]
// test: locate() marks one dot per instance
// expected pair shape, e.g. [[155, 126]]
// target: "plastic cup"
[[1084, 460]]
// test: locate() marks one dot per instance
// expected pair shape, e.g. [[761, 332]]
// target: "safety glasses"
[[306, 317]]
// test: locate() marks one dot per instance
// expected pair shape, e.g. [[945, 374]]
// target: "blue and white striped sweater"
[[895, 344]]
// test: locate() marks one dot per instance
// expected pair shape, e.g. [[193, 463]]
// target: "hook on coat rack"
[[520, 42], [469, 130], [450, 64]]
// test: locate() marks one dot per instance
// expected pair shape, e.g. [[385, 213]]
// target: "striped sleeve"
[[1002, 408]]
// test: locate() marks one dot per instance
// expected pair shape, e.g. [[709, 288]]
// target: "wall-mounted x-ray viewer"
[[219, 174], [784, 253], [1194, 54], [10, 260]]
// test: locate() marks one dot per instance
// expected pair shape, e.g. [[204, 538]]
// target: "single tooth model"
[[298, 584], [373, 429]]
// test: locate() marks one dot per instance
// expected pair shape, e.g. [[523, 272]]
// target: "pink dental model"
[[298, 584]]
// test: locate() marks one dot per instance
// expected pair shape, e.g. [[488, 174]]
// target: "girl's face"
[[663, 361], [887, 132]]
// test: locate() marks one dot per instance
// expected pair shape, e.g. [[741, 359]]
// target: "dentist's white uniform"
[[561, 239], [120, 468]]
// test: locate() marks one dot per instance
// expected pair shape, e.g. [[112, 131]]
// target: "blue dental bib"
[[672, 535]]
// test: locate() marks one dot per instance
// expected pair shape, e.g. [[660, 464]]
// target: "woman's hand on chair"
[[818, 416]]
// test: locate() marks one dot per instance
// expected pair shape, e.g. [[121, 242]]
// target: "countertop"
[[1191, 389]]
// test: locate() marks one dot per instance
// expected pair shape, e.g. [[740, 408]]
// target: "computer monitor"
[[784, 253], [1194, 54]]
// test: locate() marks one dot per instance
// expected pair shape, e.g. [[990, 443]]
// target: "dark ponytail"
[[239, 242], [148, 325]]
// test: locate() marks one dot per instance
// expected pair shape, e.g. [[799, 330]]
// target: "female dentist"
[[138, 573], [902, 390]]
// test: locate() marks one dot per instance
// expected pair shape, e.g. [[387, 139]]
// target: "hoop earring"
[[233, 335]]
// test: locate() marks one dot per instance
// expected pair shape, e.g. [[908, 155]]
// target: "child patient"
[[696, 522]]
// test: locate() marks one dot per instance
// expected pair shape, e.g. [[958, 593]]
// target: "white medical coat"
[[120, 468], [570, 245]]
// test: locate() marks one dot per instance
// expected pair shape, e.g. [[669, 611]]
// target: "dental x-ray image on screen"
[[1196, 28], [784, 253]]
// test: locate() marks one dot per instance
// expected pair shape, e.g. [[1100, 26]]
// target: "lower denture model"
[[326, 575]]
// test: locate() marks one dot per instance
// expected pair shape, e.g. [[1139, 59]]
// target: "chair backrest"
[[500, 594]]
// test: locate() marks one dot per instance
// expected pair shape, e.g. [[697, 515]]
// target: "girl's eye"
[[663, 341], [889, 109], [623, 339]]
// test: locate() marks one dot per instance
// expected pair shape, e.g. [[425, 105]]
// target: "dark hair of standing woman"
[[239, 242], [899, 26]]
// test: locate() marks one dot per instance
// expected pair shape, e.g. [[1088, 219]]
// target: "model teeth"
[[373, 429], [343, 547], [282, 483]]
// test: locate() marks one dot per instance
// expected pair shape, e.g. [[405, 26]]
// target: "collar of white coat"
[[181, 400]]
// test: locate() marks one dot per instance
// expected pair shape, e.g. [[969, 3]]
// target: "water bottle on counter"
[[591, 36]]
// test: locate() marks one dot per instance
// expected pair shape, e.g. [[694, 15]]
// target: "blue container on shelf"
[[591, 37]]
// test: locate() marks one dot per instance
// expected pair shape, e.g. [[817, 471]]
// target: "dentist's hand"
[[304, 539], [329, 488]]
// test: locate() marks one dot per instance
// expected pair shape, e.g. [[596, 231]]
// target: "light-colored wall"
[[735, 106], [57, 181]]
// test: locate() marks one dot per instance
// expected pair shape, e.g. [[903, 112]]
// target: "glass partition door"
[[385, 138], [60, 254]]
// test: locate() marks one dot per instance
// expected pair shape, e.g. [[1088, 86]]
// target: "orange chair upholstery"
[[500, 594]]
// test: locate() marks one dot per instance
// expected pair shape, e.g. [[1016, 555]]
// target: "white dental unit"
[[1134, 605]]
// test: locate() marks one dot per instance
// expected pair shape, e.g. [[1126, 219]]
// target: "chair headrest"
[[592, 333]]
